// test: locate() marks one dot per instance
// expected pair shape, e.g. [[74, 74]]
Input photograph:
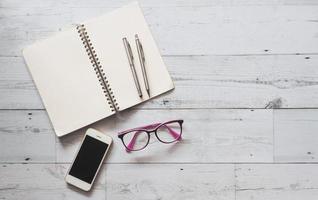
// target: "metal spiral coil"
[[98, 68]]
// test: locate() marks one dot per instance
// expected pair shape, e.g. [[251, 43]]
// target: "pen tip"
[[148, 91], [136, 36]]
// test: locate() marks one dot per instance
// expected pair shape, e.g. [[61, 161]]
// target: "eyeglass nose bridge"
[[152, 132], [154, 139]]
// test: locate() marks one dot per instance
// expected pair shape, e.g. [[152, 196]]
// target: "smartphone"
[[88, 160]]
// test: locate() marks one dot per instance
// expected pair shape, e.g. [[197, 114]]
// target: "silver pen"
[[142, 63], [132, 66]]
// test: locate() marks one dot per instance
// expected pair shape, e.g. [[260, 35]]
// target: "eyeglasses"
[[138, 138]]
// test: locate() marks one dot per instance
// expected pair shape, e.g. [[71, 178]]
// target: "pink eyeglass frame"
[[150, 129]]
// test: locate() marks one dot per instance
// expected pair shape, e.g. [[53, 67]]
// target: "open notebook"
[[77, 91]]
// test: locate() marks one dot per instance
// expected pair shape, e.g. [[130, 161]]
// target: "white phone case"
[[77, 182]]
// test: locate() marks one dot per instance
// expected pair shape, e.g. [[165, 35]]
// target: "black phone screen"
[[88, 159]]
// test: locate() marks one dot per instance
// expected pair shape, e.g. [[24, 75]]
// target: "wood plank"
[[194, 30], [296, 135], [277, 182], [284, 81], [152, 3], [55, 194], [171, 181], [26, 136], [43, 181], [295, 139], [17, 89], [208, 136]]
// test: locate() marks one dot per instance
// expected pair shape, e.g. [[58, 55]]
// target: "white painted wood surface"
[[43, 181], [276, 182], [168, 181], [194, 30], [280, 81], [234, 63], [296, 135]]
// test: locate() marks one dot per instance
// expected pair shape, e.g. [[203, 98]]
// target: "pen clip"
[[142, 52], [140, 48], [130, 51]]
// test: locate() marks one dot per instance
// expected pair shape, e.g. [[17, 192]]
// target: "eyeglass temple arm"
[[133, 140]]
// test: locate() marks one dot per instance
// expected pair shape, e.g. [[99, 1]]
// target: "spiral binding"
[[98, 68]]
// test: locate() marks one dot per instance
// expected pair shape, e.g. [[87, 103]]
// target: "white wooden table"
[[246, 76]]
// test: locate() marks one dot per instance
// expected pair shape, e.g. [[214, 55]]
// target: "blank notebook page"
[[106, 33], [66, 82]]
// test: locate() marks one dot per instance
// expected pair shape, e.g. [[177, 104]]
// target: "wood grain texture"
[[273, 81], [153, 3], [26, 137], [222, 55], [276, 182], [195, 30], [168, 181], [121, 181], [52, 194], [171, 181], [208, 135], [296, 136], [235, 27], [241, 135], [43, 181]]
